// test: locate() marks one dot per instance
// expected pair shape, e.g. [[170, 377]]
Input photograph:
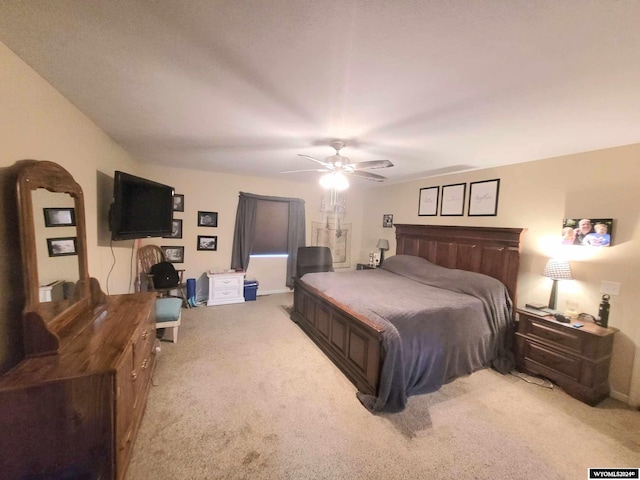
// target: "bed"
[[440, 308]]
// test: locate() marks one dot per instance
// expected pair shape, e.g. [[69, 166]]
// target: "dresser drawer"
[[228, 282], [226, 293]]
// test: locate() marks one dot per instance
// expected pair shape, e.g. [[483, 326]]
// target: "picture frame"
[[176, 229], [178, 203], [452, 202], [173, 254], [387, 220], [428, 201], [59, 217], [483, 198], [207, 242], [62, 246], [587, 232], [207, 219]]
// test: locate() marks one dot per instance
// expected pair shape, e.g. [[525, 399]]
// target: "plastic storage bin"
[[250, 289]]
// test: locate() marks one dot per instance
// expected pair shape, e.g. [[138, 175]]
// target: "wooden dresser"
[[576, 359], [76, 414]]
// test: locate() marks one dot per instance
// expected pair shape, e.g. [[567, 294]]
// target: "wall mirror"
[[54, 254]]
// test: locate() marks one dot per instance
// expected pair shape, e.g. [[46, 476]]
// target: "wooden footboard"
[[350, 340]]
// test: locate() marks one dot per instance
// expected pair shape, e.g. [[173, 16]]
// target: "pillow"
[[164, 275]]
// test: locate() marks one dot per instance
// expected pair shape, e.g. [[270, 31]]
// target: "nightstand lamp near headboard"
[[556, 270]]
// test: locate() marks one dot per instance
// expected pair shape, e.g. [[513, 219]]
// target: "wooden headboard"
[[492, 251]]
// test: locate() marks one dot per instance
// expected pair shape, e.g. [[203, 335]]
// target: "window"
[[272, 227]]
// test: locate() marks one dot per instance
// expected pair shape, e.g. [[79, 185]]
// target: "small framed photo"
[[428, 201], [453, 200], [207, 219], [59, 217], [207, 243], [387, 220], [173, 254], [178, 203], [59, 247], [176, 229], [483, 198], [588, 232]]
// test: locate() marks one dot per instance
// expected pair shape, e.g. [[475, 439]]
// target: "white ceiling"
[[243, 86]]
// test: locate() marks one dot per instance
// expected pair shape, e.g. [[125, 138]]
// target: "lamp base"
[[554, 295]]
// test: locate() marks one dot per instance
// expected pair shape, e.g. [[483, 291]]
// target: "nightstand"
[[364, 266], [576, 359]]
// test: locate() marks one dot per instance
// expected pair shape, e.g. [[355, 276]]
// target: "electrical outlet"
[[610, 288]]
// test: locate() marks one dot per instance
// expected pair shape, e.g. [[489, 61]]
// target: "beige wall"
[[537, 195]]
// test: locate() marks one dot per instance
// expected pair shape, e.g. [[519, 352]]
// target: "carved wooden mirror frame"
[[45, 323]]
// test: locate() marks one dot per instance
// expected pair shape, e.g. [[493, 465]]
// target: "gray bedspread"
[[437, 323]]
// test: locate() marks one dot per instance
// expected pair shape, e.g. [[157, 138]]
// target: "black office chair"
[[313, 259]]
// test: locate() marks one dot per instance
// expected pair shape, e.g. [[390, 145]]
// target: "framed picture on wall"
[[178, 203], [176, 229], [452, 203], [59, 217], [207, 243], [173, 254], [587, 232], [59, 247], [387, 220], [428, 201], [207, 219], [483, 198]]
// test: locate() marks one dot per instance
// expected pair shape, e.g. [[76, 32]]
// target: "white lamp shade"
[[383, 244], [558, 270]]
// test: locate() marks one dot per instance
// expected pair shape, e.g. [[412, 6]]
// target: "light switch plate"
[[610, 288]]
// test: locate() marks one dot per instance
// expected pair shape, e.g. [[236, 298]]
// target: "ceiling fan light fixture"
[[334, 181]]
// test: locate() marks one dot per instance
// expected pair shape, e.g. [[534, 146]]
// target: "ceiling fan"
[[340, 164]]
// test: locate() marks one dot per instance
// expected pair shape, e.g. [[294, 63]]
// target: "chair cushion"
[[168, 309], [164, 275]]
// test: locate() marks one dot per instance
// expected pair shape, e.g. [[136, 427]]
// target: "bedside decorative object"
[[556, 270], [383, 244], [576, 357]]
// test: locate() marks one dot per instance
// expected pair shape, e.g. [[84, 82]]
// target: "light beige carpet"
[[246, 395]]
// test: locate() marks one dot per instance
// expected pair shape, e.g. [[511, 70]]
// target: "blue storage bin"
[[250, 289]]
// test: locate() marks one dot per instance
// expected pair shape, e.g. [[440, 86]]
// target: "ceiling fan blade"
[[367, 176], [372, 164], [310, 170], [324, 164]]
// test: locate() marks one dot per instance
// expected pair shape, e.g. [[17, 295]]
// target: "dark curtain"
[[245, 230]]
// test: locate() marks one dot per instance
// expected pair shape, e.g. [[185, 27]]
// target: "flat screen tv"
[[141, 208]]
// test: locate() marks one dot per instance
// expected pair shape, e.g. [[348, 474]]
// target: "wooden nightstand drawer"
[[552, 334], [565, 364]]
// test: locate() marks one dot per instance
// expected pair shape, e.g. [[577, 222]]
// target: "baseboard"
[[259, 293], [619, 396]]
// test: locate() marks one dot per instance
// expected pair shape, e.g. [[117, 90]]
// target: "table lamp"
[[383, 245], [556, 270]]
